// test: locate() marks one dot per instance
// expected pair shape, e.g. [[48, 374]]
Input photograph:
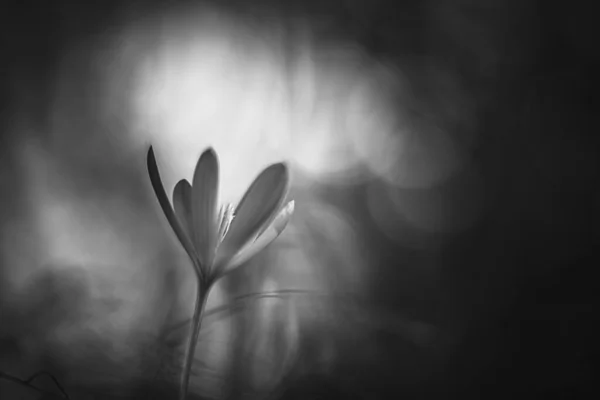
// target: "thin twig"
[[27, 383]]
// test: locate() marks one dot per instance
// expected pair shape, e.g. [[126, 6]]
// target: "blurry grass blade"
[[163, 200], [205, 188], [262, 199], [268, 236], [182, 203], [240, 301]]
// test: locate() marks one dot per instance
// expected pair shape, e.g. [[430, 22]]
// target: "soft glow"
[[212, 80]]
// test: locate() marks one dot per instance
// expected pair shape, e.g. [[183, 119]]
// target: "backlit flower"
[[219, 239]]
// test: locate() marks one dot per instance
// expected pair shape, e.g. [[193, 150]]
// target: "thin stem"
[[27, 383], [202, 293]]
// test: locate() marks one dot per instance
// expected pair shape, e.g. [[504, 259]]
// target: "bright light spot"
[[257, 95]]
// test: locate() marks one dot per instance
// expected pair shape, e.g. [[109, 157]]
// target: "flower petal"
[[269, 235], [205, 188], [258, 206], [163, 200], [182, 203]]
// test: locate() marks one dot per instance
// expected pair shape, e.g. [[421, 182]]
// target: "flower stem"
[[202, 293]]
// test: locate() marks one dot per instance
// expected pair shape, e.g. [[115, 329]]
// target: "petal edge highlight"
[[259, 204], [271, 233]]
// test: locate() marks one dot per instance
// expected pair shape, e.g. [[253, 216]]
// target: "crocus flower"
[[217, 243]]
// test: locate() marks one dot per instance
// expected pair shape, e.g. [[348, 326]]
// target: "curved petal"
[[258, 206], [182, 203], [205, 188], [269, 235], [163, 200]]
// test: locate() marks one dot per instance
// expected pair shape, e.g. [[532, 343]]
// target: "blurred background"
[[444, 169]]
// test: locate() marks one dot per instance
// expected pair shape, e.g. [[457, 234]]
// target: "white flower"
[[218, 242]]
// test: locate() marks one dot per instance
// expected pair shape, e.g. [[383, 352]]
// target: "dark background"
[[521, 281]]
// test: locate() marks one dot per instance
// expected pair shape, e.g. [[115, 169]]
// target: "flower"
[[217, 243]]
